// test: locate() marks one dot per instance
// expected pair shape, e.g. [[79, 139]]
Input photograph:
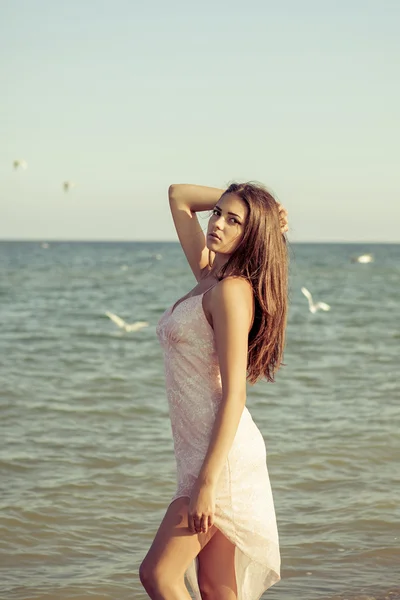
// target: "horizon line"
[[125, 241]]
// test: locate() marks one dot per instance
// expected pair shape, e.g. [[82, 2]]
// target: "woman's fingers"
[[283, 213], [281, 208], [196, 519], [200, 523], [191, 523], [284, 227], [204, 524]]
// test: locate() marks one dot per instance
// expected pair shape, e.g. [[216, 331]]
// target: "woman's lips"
[[214, 236]]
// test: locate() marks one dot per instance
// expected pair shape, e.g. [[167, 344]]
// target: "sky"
[[124, 98]]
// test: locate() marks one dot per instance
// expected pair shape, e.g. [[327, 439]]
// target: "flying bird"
[[363, 258], [68, 185], [314, 306], [126, 326], [20, 163]]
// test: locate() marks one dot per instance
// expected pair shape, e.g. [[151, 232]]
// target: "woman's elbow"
[[173, 191]]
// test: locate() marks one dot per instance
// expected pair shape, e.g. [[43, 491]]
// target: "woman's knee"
[[153, 578], [208, 591], [205, 589], [212, 590], [148, 576], [144, 575]]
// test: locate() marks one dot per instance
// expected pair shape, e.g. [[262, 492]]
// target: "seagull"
[[67, 185], [127, 326], [314, 307], [20, 164], [364, 258]]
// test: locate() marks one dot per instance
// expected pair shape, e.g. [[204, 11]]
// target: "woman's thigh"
[[174, 546], [217, 576]]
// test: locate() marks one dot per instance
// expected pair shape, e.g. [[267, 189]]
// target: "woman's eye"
[[216, 213]]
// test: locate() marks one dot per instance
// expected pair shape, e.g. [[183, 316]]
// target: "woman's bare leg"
[[217, 577], [162, 571]]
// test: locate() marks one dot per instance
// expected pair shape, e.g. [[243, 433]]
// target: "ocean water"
[[86, 456]]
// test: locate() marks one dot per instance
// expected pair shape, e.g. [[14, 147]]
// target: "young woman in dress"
[[220, 527]]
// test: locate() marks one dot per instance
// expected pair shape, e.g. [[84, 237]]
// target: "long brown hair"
[[262, 259]]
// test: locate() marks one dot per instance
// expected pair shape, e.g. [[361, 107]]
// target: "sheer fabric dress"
[[244, 505]]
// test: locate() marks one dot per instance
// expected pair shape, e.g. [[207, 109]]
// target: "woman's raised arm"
[[185, 201]]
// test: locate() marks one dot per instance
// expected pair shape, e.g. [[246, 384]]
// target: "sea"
[[86, 456]]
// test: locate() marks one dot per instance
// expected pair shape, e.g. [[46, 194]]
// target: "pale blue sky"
[[125, 98]]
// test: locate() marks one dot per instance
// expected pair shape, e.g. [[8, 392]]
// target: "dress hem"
[[232, 542]]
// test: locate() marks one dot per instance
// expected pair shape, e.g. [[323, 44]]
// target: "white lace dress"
[[244, 506]]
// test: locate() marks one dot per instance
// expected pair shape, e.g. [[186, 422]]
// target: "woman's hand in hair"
[[283, 213]]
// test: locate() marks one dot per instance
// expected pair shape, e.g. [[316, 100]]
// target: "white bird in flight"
[[312, 306], [126, 326], [68, 185], [364, 258], [20, 164]]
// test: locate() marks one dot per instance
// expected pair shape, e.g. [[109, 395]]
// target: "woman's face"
[[228, 223]]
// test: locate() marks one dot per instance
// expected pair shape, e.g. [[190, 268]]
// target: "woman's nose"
[[219, 222]]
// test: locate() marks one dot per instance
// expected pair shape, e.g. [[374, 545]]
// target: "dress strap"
[[210, 288]]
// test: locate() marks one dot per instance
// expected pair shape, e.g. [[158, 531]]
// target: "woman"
[[220, 528]]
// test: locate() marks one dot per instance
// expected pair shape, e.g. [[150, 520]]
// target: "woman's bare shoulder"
[[232, 295], [233, 286], [232, 303]]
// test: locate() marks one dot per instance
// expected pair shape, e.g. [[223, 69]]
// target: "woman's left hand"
[[283, 213], [201, 508]]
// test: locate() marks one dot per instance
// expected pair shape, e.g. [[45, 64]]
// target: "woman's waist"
[[190, 357], [194, 384]]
